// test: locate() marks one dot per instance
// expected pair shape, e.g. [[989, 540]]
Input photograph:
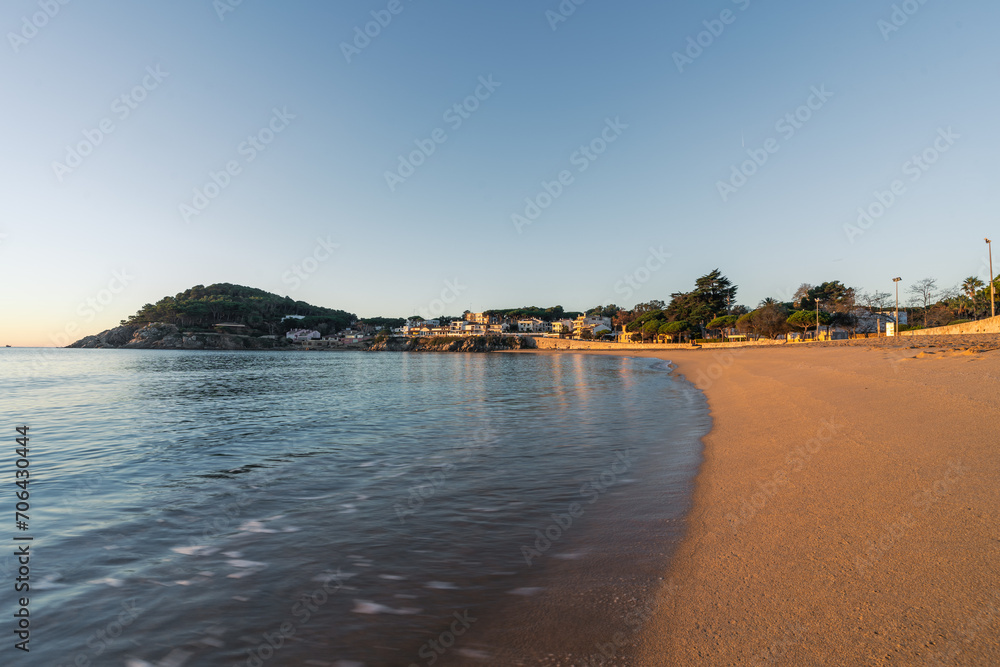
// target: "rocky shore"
[[161, 336], [455, 344]]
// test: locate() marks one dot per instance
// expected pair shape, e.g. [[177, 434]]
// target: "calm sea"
[[290, 508]]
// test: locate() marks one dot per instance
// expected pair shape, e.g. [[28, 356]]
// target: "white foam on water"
[[195, 550], [330, 576], [369, 607], [247, 568], [473, 653], [110, 581], [441, 585], [255, 527], [49, 582], [391, 577], [233, 554]]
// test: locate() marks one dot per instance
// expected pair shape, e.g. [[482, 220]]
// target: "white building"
[[533, 325], [590, 322], [562, 326], [466, 328], [299, 335]]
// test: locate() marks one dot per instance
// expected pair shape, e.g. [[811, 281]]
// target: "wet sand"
[[847, 511]]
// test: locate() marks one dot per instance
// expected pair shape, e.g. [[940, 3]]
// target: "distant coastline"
[[163, 336]]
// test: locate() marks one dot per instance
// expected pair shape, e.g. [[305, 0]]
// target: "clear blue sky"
[[68, 229]]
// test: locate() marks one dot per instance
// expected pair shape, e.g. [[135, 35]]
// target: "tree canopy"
[[204, 307], [713, 295], [527, 312]]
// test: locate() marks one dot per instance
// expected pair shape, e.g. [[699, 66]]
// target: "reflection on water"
[[206, 507]]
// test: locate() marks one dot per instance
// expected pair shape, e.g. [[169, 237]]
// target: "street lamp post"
[[817, 318], [993, 308], [896, 331]]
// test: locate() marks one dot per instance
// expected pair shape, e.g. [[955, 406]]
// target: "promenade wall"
[[566, 344], [987, 326]]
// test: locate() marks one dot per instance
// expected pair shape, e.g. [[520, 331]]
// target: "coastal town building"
[[533, 325], [420, 327], [299, 335], [592, 323], [466, 328], [561, 327], [483, 318]]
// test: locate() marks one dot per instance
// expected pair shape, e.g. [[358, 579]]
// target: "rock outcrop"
[[161, 336], [455, 344]]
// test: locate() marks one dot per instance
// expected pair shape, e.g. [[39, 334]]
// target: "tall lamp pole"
[[817, 317], [896, 331], [993, 308]]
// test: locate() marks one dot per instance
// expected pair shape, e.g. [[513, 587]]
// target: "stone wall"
[[989, 325], [566, 344]]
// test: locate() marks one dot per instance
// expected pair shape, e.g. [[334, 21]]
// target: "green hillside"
[[203, 307]]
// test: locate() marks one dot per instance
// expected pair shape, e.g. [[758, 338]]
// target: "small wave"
[[369, 607], [196, 550]]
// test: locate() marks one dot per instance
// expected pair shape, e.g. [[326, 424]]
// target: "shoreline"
[[845, 511]]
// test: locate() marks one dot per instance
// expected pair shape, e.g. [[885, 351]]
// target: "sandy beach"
[[846, 512]]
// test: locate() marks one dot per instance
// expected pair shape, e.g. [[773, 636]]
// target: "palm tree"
[[970, 286], [768, 302]]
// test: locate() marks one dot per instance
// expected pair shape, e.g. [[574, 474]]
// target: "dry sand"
[[847, 511]]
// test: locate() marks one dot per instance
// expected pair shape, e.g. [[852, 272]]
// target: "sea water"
[[342, 508]]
